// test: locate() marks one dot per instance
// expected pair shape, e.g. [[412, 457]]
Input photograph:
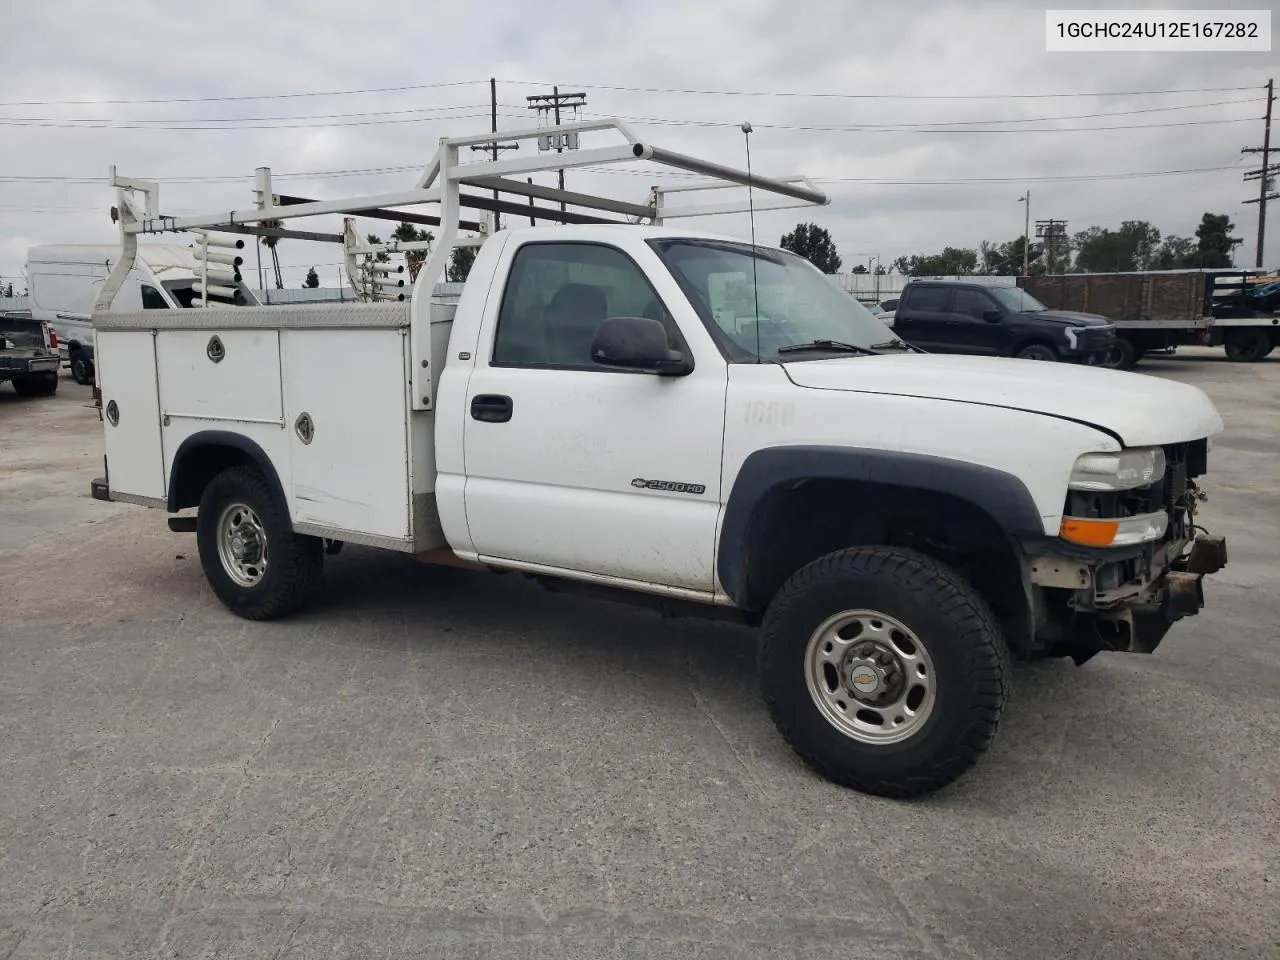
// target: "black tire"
[[81, 368], [36, 384], [293, 562], [1037, 351], [1123, 356], [964, 643], [1248, 346]]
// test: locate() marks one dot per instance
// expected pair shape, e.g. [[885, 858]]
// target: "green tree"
[[860, 268], [1174, 253], [460, 261], [376, 240], [1100, 250], [406, 232], [814, 243], [1005, 259], [1214, 241], [951, 262], [313, 279]]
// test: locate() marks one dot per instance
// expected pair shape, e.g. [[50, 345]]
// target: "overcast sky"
[[917, 74]]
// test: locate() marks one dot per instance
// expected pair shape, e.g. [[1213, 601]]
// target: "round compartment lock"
[[215, 350], [304, 427]]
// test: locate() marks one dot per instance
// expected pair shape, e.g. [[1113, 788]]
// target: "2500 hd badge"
[[671, 486]]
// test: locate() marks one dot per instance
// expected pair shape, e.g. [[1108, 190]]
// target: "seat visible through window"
[[571, 320], [559, 294]]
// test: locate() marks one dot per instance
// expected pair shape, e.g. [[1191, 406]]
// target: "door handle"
[[491, 407]]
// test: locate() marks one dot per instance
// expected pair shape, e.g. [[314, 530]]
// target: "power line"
[[919, 128], [256, 96], [218, 178], [626, 89], [153, 121], [304, 116], [324, 174], [1070, 178], [85, 124], [892, 96]]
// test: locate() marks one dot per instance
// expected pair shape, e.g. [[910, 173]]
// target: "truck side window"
[[972, 303], [558, 294], [152, 299], [925, 298]]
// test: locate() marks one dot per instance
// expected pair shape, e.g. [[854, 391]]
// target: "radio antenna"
[[751, 208]]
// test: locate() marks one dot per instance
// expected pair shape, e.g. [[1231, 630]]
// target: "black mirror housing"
[[637, 343], [991, 316]]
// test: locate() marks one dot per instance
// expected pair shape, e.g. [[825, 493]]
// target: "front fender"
[[1001, 495]]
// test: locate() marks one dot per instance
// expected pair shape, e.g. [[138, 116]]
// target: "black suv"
[[957, 317]]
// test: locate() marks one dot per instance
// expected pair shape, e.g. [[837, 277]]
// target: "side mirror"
[[637, 343], [991, 316]]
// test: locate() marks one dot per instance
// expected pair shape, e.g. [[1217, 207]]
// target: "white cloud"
[[89, 51]]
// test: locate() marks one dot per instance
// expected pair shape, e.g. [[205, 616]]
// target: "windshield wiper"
[[837, 345], [890, 344]]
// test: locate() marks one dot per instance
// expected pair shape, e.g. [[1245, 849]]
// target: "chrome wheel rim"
[[870, 677], [242, 545]]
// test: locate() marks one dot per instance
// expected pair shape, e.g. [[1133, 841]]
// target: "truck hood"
[[1071, 317], [1139, 409]]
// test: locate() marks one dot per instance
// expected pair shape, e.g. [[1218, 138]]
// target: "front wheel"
[[884, 670], [1037, 351], [1123, 355], [254, 562], [81, 368]]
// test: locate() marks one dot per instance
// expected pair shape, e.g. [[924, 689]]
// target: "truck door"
[[576, 467], [921, 318], [975, 324]]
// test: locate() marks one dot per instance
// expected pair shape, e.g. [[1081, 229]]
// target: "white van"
[[64, 280]]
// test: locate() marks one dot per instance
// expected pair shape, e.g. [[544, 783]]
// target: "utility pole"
[[1263, 174], [1026, 232], [1054, 233], [494, 147], [550, 104]]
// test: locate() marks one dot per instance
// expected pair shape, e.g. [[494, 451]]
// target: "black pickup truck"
[[28, 355], [946, 316]]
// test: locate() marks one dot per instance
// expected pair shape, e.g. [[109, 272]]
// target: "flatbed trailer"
[[1162, 310]]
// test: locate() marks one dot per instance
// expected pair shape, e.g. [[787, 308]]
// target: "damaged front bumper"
[[1138, 626], [1076, 618]]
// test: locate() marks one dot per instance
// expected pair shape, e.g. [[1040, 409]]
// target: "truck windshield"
[[779, 301], [1017, 299]]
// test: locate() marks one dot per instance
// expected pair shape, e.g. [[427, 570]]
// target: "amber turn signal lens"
[[1089, 533]]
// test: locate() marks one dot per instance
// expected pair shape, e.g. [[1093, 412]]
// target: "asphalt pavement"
[[437, 763]]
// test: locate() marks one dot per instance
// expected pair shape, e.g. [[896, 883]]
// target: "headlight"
[[1073, 336], [1126, 470]]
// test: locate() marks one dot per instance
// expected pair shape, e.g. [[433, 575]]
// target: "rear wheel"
[[1248, 346], [1037, 351], [36, 384], [884, 670], [257, 566]]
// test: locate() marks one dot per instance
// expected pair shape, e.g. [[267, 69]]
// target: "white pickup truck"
[[653, 412]]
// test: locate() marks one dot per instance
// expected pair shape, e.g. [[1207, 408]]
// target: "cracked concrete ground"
[[433, 763]]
